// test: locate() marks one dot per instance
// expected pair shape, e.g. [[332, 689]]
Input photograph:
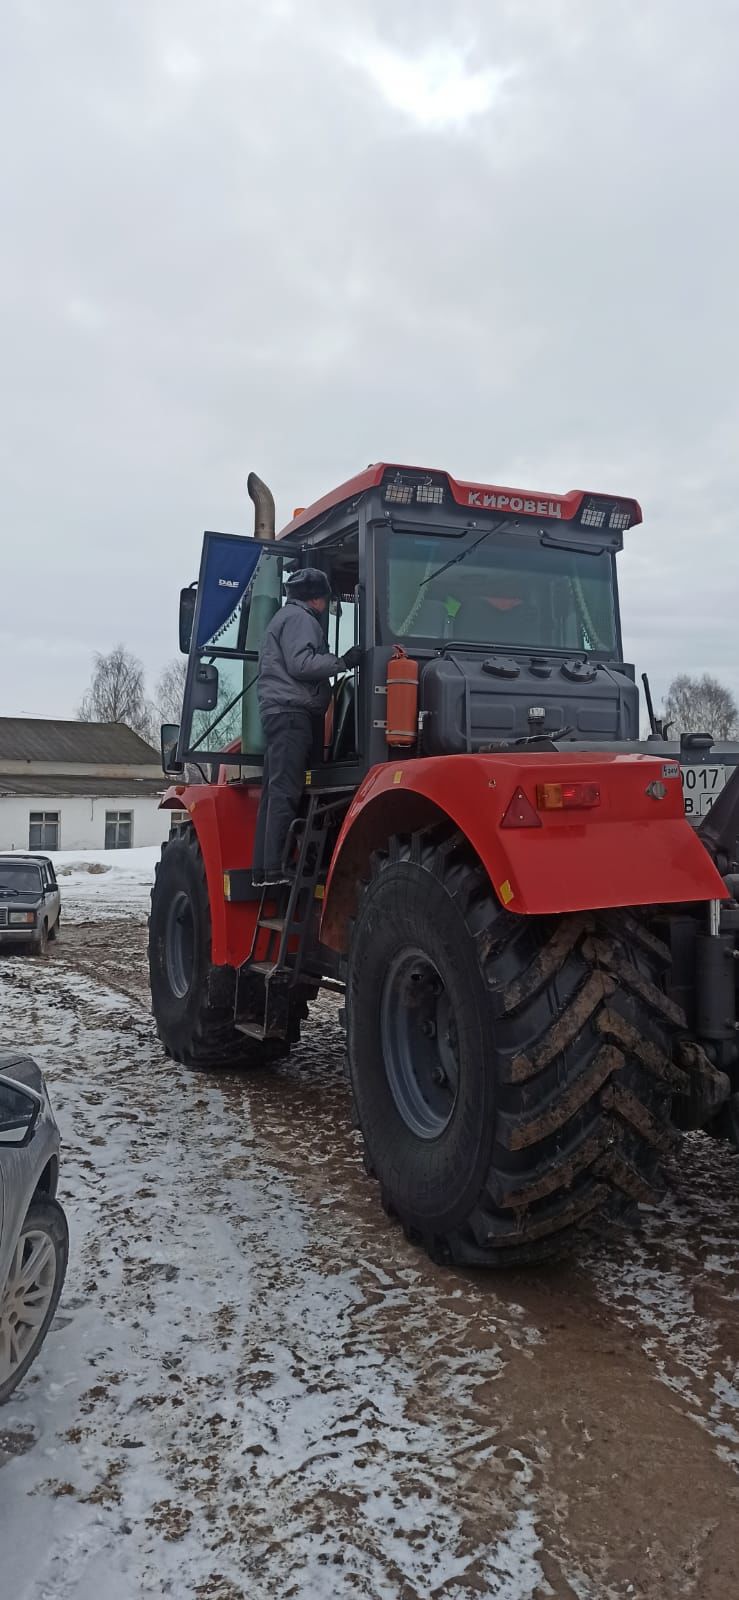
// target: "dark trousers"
[[289, 736]]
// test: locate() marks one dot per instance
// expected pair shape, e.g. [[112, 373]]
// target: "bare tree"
[[701, 705], [170, 689], [116, 693]]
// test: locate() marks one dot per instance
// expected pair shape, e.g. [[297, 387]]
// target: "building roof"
[[61, 788], [42, 739]]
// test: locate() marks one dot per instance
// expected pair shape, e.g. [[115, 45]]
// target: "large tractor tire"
[[193, 1000], [512, 1076]]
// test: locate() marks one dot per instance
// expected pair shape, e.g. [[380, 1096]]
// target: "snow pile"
[[97, 885]]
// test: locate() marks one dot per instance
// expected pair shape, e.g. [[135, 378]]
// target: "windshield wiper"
[[455, 560], [4, 891]]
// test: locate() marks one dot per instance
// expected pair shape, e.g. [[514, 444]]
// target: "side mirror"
[[169, 739], [19, 1112], [205, 687], [187, 616]]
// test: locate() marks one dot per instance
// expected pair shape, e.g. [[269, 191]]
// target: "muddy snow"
[[255, 1388]]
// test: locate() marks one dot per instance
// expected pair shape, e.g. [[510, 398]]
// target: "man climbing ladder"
[[295, 666]]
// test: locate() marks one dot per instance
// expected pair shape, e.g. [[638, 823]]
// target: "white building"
[[78, 786]]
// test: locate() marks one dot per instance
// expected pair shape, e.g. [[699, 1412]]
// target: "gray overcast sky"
[[301, 235]]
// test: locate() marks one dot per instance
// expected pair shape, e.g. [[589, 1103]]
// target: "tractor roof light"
[[409, 488], [567, 796], [601, 511]]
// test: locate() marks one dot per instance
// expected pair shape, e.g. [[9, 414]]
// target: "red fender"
[[634, 848], [224, 818]]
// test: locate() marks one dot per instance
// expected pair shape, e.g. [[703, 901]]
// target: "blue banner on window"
[[226, 575]]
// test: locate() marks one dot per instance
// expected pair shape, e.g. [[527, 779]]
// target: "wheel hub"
[[419, 1043], [179, 945]]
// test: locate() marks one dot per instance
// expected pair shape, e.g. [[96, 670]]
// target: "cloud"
[[438, 89], [501, 240]]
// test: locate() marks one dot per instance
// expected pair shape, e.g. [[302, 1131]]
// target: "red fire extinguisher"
[[402, 699]]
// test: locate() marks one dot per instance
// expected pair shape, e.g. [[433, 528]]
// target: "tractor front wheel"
[[193, 1000], [512, 1076]]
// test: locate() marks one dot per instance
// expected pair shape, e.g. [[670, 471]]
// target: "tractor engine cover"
[[470, 700]]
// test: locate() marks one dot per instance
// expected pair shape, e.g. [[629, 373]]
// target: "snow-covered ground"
[[255, 1389], [104, 884]]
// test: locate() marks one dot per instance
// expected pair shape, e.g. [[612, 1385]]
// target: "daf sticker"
[[228, 583]]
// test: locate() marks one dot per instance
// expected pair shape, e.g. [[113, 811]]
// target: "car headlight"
[[18, 918]]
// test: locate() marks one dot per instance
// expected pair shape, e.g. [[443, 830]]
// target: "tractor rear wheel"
[[512, 1076], [193, 1000]]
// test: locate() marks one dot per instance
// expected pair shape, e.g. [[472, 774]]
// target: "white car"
[[34, 1239]]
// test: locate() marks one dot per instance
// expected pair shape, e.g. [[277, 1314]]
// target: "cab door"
[[239, 590]]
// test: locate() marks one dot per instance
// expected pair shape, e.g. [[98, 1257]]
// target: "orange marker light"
[[567, 796]]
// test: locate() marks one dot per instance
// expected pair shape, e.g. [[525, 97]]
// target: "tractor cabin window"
[[342, 566], [505, 589], [43, 830], [118, 830]]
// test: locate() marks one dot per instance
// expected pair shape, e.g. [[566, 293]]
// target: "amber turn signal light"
[[567, 796]]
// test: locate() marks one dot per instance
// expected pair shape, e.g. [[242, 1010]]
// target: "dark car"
[[34, 1241], [30, 903]]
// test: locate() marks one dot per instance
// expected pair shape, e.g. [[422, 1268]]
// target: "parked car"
[[30, 902], [34, 1239]]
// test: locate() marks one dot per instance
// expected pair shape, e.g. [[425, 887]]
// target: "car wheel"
[[31, 1293], [38, 948], [57, 928]]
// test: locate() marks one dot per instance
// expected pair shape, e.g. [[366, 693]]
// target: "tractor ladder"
[[285, 932]]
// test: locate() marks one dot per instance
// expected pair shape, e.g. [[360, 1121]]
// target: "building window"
[[43, 830], [118, 830]]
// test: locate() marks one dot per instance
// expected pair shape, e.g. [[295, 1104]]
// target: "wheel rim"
[[26, 1299], [179, 945], [419, 1044]]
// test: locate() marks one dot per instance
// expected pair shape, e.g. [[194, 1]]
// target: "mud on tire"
[[193, 1000], [554, 1051]]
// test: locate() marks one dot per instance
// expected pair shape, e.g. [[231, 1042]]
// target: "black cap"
[[309, 583]]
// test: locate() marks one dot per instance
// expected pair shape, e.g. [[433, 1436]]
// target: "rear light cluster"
[[567, 796], [520, 813]]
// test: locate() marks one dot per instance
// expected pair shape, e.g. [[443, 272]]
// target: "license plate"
[[701, 785]]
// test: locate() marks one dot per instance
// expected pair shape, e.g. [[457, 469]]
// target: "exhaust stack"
[[264, 507]]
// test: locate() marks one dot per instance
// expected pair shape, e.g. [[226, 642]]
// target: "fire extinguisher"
[[402, 699]]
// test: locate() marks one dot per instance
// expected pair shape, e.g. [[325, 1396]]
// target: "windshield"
[[508, 590], [19, 877]]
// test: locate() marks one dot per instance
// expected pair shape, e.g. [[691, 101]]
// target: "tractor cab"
[[506, 603]]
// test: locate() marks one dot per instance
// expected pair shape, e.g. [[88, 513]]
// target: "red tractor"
[[537, 947]]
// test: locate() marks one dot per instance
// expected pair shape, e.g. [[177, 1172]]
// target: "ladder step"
[[263, 967], [275, 923], [253, 1030]]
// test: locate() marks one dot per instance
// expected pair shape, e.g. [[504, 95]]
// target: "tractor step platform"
[[286, 926], [252, 1030]]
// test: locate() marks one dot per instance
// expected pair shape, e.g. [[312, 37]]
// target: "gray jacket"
[[294, 662]]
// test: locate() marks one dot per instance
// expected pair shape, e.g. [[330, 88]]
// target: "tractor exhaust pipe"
[[264, 507]]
